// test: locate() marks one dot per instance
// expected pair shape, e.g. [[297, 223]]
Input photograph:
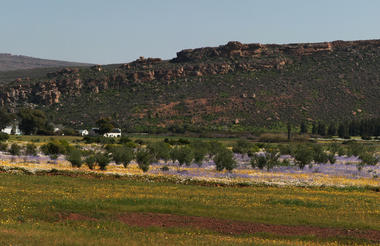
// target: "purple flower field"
[[344, 167]]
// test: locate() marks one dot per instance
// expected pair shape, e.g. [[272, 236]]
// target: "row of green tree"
[[261, 155], [364, 128], [195, 152]]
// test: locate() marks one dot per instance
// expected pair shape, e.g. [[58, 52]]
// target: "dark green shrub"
[[331, 158], [122, 155], [3, 136], [182, 141], [31, 149], [303, 155], [159, 150], [286, 149], [5, 119], [53, 148], [90, 161], [75, 158], [144, 158], [15, 149], [184, 155], [224, 159], [34, 121], [131, 145], [319, 155], [368, 158], [124, 140], [242, 146], [98, 139], [335, 148], [269, 160], [3, 146], [102, 160], [285, 162], [355, 149], [199, 150], [259, 161], [214, 147]]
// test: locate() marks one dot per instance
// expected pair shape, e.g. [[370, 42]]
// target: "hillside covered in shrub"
[[234, 86]]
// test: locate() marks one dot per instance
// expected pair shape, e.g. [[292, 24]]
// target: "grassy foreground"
[[33, 209]]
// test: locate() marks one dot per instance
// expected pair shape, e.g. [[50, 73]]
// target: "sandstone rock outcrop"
[[232, 57]]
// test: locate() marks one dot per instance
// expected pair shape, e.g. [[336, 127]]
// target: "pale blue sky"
[[117, 31]]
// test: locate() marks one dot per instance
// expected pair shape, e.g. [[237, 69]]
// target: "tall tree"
[[5, 119], [224, 159], [289, 130], [331, 130], [303, 128], [105, 125], [321, 129], [32, 120], [314, 128], [342, 131]]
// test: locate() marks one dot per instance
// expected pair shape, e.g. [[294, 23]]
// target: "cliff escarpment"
[[225, 86]]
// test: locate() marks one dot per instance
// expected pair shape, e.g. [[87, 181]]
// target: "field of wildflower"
[[44, 199], [343, 173], [89, 210]]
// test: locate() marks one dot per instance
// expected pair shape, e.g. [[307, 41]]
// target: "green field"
[[63, 210]]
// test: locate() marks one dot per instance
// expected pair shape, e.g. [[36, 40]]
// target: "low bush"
[[199, 150], [159, 150], [3, 146], [303, 155], [75, 157], [102, 160], [3, 136], [319, 155], [224, 159], [122, 155], [244, 147], [144, 159], [90, 161], [15, 149], [53, 148], [269, 160], [98, 139], [184, 155], [31, 149]]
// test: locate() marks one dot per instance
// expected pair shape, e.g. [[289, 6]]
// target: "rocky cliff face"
[[195, 64]]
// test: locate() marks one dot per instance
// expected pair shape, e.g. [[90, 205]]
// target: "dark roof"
[[115, 130]]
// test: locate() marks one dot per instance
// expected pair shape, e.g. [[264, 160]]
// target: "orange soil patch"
[[238, 227]]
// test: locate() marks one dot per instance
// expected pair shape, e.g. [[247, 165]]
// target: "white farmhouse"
[[115, 133], [83, 132], [12, 129], [7, 130]]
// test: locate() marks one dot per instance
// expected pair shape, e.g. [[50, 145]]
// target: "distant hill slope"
[[10, 62], [233, 86]]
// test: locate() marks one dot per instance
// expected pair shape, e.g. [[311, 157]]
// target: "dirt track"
[[237, 227], [229, 226]]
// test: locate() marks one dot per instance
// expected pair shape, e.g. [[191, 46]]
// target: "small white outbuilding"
[[83, 132], [114, 133]]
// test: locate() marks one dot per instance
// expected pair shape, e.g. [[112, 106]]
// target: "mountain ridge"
[[232, 86], [10, 62]]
